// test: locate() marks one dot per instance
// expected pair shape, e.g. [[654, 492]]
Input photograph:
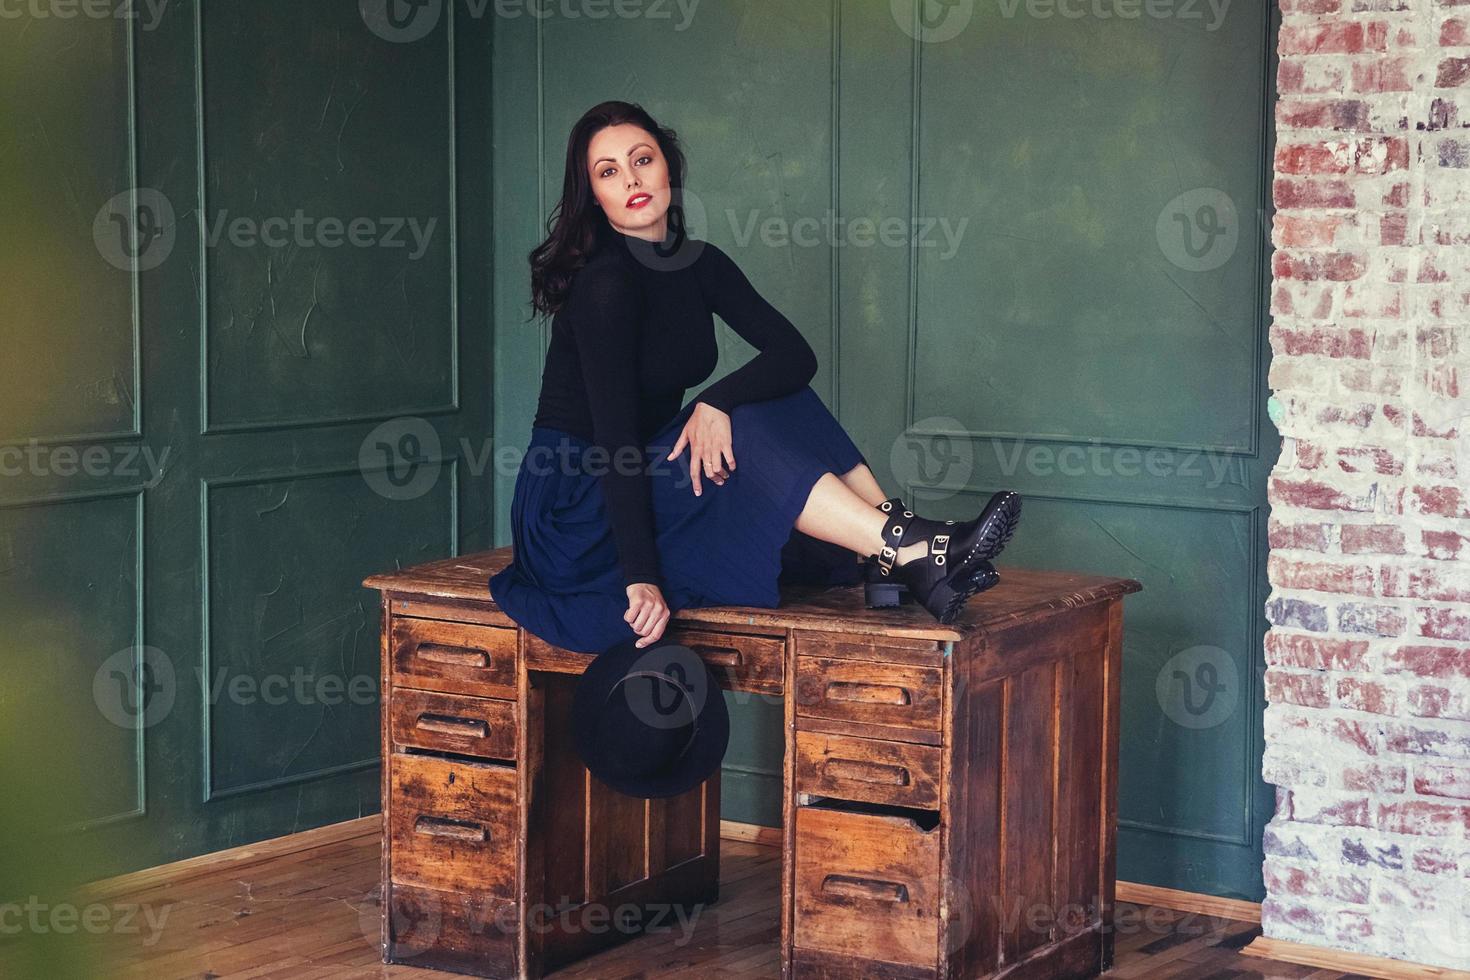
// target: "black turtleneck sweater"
[[633, 333]]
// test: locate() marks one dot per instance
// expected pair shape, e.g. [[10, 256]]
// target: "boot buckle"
[[885, 560], [939, 548]]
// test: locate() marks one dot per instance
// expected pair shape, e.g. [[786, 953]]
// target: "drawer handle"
[[867, 693], [717, 656], [450, 725], [452, 656], [456, 829], [852, 886], [861, 771]]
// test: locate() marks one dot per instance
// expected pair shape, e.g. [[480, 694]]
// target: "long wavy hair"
[[574, 223]]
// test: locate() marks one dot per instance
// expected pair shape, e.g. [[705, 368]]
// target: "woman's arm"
[[603, 315], [786, 362]]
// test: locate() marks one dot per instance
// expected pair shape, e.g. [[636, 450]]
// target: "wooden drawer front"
[[458, 657], [452, 825], [857, 646], [454, 723], [742, 662], [866, 884], [861, 691], [870, 769], [464, 932]]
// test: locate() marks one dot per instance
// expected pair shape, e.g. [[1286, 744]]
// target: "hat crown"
[[650, 722]]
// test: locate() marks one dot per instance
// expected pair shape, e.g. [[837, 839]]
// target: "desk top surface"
[[1021, 594]]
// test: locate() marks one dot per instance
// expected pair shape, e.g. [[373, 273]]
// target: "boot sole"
[[887, 595], [997, 524], [953, 596]]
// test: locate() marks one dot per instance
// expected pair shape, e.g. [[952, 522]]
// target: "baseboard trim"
[[1182, 901], [246, 854], [1343, 961], [750, 833]]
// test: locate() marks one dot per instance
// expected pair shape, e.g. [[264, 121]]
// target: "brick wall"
[[1368, 658]]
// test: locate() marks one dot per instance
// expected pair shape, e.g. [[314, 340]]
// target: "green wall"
[[1033, 318], [1062, 290], [224, 378]]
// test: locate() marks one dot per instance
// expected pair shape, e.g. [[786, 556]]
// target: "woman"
[[627, 506]]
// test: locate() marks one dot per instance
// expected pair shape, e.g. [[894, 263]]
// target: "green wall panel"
[[1062, 159], [71, 600], [335, 127], [69, 365], [293, 657]]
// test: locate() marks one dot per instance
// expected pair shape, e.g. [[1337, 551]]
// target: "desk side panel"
[[1026, 794]]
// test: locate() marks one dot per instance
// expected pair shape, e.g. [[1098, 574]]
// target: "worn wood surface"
[[313, 914], [942, 786], [452, 825], [866, 886], [870, 769], [1021, 594], [436, 722]]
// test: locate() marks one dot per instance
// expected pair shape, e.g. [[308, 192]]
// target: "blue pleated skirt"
[[734, 545]]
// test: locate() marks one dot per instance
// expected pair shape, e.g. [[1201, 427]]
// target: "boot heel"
[[883, 595]]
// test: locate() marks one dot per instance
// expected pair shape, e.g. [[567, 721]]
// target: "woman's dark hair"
[[574, 223]]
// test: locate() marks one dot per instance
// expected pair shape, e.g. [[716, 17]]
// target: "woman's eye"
[[606, 173], [645, 159]]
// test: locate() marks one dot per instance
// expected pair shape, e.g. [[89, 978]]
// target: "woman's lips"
[[638, 200]]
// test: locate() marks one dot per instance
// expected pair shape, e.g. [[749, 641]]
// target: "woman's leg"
[[860, 480], [835, 512]]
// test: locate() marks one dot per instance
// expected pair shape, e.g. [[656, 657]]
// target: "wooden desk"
[[950, 791]]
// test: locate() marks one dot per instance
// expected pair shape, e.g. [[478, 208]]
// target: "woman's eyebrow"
[[612, 160]]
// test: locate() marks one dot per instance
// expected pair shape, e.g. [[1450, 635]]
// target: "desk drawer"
[[452, 825], [463, 658], [454, 723], [902, 695], [870, 769], [742, 661], [866, 881]]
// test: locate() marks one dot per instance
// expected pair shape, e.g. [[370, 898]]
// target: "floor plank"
[[314, 914]]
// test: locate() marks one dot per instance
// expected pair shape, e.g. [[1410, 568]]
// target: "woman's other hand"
[[707, 434], [647, 612]]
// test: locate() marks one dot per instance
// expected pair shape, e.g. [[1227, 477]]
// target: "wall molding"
[[206, 426], [140, 755], [210, 792]]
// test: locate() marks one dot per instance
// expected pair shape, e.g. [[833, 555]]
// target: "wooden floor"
[[315, 914]]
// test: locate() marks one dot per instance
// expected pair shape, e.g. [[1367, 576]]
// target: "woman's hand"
[[707, 434], [647, 612]]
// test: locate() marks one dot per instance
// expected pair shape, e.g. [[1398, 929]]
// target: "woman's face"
[[630, 179]]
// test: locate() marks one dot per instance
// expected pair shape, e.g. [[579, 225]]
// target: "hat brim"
[[697, 763]]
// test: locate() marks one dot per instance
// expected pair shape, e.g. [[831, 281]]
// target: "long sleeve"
[[604, 317], [786, 361]]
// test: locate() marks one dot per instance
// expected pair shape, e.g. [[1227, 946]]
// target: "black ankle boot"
[[883, 591], [958, 563]]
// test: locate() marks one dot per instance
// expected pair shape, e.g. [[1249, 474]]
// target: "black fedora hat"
[[650, 722]]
